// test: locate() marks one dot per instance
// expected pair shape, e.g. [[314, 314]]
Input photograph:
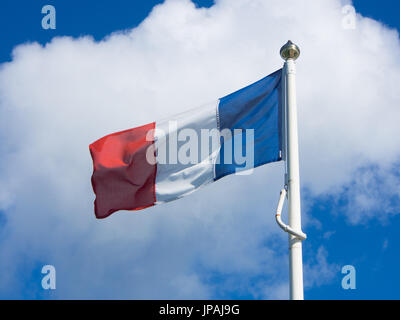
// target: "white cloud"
[[319, 271], [55, 100], [373, 194]]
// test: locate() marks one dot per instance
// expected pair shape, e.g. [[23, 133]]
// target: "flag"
[[166, 160]]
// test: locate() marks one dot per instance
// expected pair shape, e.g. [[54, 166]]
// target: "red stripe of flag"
[[122, 177]]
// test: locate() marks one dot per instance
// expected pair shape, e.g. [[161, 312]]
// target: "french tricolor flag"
[[164, 161]]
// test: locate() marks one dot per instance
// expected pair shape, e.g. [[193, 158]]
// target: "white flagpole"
[[290, 52]]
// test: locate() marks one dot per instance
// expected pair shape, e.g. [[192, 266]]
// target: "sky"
[[110, 66]]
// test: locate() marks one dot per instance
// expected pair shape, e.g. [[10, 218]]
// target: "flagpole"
[[290, 52]]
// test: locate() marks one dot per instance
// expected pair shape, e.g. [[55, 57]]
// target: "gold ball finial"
[[290, 51]]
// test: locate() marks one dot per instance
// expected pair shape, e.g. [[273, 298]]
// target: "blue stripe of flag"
[[258, 107]]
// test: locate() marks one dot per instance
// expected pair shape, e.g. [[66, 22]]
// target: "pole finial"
[[290, 51]]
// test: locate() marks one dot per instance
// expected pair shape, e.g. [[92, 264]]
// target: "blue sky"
[[371, 246], [363, 246]]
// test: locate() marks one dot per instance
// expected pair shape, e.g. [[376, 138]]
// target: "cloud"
[[373, 194], [58, 98], [319, 271]]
